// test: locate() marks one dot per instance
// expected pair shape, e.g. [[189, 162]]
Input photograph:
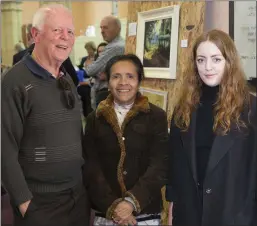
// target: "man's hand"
[[123, 211], [23, 207]]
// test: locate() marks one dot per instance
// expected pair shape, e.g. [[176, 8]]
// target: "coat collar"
[[220, 147], [106, 110]]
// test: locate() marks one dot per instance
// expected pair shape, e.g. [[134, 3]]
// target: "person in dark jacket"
[[213, 151], [18, 56], [91, 49], [84, 88], [100, 49], [126, 148], [41, 162]]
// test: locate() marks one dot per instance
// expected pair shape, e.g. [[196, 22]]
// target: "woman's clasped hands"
[[123, 214]]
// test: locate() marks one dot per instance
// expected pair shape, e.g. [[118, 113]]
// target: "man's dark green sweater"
[[41, 138]]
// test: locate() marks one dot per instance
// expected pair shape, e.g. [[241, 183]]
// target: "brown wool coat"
[[131, 161]]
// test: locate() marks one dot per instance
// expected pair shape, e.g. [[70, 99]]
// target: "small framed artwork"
[[156, 97], [157, 41]]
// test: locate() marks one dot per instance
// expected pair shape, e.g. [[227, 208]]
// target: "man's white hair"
[[114, 20], [42, 13]]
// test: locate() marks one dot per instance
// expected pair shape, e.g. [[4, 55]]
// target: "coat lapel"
[[220, 147], [188, 139]]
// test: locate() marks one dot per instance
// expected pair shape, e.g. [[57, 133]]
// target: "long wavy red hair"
[[233, 93]]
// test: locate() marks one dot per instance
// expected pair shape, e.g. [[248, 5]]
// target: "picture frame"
[[156, 97], [157, 41]]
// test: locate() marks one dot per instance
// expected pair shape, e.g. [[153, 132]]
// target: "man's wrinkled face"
[[56, 38], [109, 29]]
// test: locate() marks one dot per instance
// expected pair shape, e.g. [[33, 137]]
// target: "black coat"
[[18, 56], [230, 185], [67, 64]]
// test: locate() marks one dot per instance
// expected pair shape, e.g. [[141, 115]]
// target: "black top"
[[18, 56], [204, 129]]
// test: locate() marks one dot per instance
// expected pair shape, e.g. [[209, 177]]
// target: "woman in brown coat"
[[126, 147]]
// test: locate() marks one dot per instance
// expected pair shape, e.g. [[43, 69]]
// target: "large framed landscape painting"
[[157, 41]]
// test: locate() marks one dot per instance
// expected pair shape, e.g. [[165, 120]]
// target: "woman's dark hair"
[[128, 57], [101, 44]]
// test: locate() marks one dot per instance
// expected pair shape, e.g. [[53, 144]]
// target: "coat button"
[[208, 191], [125, 172], [123, 138]]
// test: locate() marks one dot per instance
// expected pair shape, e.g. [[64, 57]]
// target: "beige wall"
[[89, 13], [217, 15], [28, 10], [221, 15], [78, 12], [122, 9], [95, 11], [84, 13]]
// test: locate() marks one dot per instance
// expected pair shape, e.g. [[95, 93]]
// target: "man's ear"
[[35, 34]]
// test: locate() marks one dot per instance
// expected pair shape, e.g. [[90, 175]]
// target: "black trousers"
[[66, 208]]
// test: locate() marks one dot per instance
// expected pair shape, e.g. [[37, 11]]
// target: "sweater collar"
[[37, 69], [209, 94], [141, 104]]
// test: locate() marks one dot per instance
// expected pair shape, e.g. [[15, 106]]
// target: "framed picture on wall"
[[156, 97], [242, 29], [157, 41]]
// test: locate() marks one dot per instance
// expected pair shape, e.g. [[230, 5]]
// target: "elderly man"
[[41, 129], [110, 29]]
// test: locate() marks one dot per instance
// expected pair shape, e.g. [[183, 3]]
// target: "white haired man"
[[110, 29], [41, 129]]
